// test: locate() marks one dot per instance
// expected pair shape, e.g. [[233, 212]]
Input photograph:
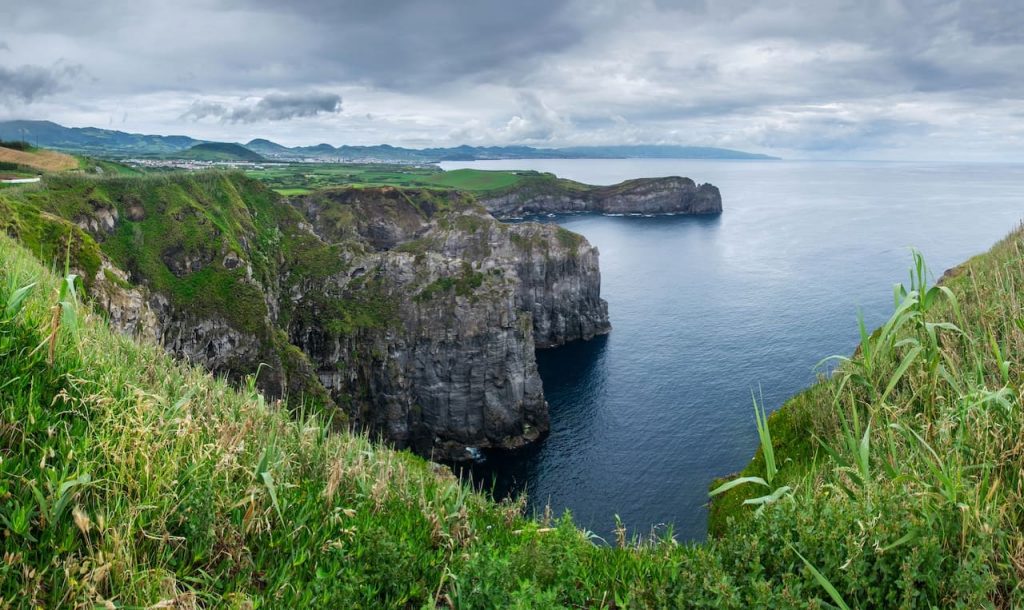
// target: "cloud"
[[531, 122], [30, 83], [535, 121], [794, 77], [3, 46], [200, 110], [415, 44], [272, 107]]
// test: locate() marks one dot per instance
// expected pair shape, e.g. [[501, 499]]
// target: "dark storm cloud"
[[273, 107], [30, 83]]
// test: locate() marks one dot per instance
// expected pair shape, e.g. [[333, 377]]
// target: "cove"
[[706, 310]]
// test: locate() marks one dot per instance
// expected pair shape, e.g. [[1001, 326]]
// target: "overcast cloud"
[[28, 83], [798, 78], [273, 107]]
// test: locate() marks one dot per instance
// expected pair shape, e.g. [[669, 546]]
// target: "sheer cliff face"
[[444, 370], [465, 300], [414, 312], [671, 195], [559, 283]]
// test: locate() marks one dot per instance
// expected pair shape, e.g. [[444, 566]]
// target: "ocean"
[[708, 310]]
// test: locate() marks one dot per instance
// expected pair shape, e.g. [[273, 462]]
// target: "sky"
[[820, 79]]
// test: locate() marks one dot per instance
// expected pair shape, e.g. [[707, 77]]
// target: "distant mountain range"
[[110, 143]]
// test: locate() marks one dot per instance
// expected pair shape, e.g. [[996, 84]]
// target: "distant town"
[[192, 164], [195, 164]]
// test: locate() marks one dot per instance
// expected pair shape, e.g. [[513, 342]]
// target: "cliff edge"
[[545, 194], [413, 312]]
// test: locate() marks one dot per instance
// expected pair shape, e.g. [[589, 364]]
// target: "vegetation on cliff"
[[172, 225], [299, 178], [129, 480], [358, 297]]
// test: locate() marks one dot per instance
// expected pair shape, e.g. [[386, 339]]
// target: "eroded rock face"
[[210, 341], [646, 196], [103, 219], [464, 301], [414, 311], [127, 305], [443, 372], [559, 283]]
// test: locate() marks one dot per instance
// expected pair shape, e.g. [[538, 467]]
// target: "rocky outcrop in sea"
[[644, 196]]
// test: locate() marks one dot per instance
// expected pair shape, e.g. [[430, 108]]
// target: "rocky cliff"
[[544, 194], [460, 302], [414, 311], [411, 313]]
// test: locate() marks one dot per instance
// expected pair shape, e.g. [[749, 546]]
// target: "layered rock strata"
[[645, 196]]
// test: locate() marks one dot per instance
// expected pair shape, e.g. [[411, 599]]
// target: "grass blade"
[[17, 299], [824, 582], [736, 483]]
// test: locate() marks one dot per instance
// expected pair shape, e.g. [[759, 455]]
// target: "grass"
[[42, 160], [187, 220], [767, 450], [476, 180], [291, 192], [300, 178], [297, 178], [128, 480], [927, 410], [90, 165]]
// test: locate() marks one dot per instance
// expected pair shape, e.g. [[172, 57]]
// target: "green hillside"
[[92, 140], [219, 151], [128, 480]]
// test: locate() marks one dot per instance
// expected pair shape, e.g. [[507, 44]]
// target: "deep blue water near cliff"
[[705, 310]]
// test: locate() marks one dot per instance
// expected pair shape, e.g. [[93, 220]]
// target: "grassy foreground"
[[129, 481]]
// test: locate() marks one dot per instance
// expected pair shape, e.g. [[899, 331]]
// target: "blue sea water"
[[706, 310]]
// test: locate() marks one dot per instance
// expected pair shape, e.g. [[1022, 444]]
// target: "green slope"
[[219, 151], [91, 140], [297, 178], [130, 479]]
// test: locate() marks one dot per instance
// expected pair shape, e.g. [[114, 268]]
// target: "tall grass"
[[770, 467], [130, 481]]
